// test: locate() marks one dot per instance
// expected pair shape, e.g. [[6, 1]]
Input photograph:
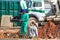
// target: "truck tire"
[[32, 19]]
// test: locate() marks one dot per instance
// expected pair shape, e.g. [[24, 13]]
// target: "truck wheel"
[[32, 19]]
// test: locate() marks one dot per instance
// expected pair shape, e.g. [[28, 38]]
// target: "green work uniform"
[[24, 23]]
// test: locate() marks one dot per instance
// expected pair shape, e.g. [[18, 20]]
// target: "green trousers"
[[24, 23]]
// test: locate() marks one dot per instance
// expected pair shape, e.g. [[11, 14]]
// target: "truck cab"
[[38, 10]]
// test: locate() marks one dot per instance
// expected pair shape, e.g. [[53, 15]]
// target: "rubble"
[[49, 30], [8, 33]]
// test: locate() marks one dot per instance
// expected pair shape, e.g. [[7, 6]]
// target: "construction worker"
[[24, 17]]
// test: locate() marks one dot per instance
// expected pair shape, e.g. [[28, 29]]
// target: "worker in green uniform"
[[24, 23], [24, 17]]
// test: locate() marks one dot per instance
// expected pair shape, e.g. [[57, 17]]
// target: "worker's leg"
[[24, 28], [21, 30]]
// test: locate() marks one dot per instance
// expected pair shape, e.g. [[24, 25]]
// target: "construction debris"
[[12, 31], [9, 33], [49, 30], [7, 30]]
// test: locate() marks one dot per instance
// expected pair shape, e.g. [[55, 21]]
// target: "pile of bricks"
[[49, 30], [9, 33]]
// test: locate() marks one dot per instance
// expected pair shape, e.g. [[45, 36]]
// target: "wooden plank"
[[5, 22], [10, 28]]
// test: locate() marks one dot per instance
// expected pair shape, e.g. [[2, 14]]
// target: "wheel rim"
[[30, 21]]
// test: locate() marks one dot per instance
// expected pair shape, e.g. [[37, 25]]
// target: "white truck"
[[38, 9]]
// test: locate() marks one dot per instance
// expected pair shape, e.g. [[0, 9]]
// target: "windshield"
[[34, 4], [37, 4]]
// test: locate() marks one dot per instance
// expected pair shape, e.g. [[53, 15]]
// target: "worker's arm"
[[24, 18], [16, 20]]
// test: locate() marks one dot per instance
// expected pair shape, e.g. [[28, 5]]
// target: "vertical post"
[[54, 2], [57, 8]]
